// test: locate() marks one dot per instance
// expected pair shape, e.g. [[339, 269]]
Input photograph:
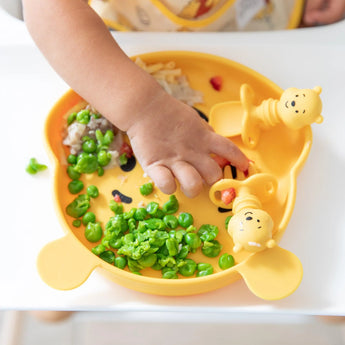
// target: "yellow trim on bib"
[[296, 15], [195, 23], [114, 25]]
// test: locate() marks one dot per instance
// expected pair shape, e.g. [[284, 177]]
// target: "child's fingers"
[[208, 168], [190, 180], [227, 149], [162, 177]]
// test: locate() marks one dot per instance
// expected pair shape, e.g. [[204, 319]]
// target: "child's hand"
[[323, 11], [171, 141]]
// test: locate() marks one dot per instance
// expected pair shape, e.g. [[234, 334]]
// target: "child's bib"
[[199, 15]]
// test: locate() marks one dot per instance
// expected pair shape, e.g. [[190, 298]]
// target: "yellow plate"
[[67, 263]]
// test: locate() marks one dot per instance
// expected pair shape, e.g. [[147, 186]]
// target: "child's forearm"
[[81, 49]]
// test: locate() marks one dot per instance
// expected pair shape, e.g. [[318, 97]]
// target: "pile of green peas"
[[78, 209], [157, 237], [94, 155], [143, 237]]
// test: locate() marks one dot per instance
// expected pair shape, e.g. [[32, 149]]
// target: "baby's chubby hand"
[[170, 141]]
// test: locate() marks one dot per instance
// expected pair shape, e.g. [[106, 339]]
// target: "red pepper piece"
[[228, 195], [125, 148], [117, 198], [203, 8], [216, 82]]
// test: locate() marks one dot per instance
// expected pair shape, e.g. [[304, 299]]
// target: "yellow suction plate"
[[67, 262]]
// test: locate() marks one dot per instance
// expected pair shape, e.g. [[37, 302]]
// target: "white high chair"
[[13, 7]]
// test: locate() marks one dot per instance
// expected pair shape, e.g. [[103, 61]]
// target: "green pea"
[[146, 189], [183, 253], [100, 171], [171, 206], [226, 261], [157, 266], [169, 274], [103, 158], [99, 249], [129, 214], [211, 249], [116, 207], [89, 217], [72, 173], [83, 116], [180, 235], [193, 240], [123, 159], [93, 232], [140, 213], [107, 256], [141, 226], [132, 224], [155, 223], [105, 241], [89, 146], [208, 232], [152, 207], [72, 159], [128, 238], [34, 167], [71, 117], [170, 221], [172, 246], [134, 265], [159, 213], [191, 228], [185, 219], [115, 243], [96, 115], [78, 206], [227, 220], [99, 136], [116, 224], [204, 269], [76, 223], [188, 268], [75, 186], [108, 137], [82, 155], [92, 191], [86, 163], [148, 260], [120, 262]]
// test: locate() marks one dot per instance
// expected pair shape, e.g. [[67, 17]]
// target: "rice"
[[172, 80], [182, 91], [74, 135]]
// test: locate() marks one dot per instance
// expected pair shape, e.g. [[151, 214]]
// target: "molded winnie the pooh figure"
[[300, 107], [250, 227], [251, 230], [296, 109]]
